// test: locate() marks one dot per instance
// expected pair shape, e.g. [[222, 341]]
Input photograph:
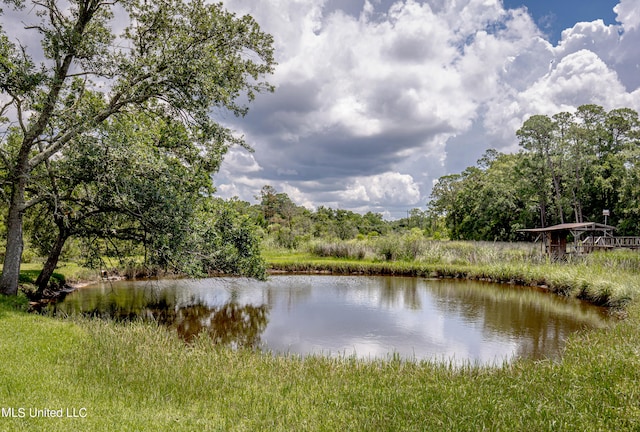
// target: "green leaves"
[[175, 59], [574, 165], [194, 56], [218, 240], [117, 133]]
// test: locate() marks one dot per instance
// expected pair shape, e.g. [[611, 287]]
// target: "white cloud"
[[577, 79], [628, 12], [593, 63], [368, 103], [297, 196], [390, 188], [240, 160]]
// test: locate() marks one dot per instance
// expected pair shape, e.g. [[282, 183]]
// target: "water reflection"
[[230, 324], [540, 322], [370, 317]]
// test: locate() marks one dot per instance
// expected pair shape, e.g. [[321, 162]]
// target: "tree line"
[[287, 225], [570, 168]]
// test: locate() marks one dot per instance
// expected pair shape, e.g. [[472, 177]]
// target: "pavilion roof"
[[582, 226]]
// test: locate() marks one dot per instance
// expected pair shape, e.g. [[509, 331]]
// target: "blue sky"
[[553, 16]]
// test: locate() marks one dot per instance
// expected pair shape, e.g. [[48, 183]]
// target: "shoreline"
[[583, 282], [564, 280]]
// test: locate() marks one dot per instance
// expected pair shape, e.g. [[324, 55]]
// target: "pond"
[[367, 317]]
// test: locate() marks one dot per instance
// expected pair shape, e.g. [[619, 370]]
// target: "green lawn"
[[137, 377]]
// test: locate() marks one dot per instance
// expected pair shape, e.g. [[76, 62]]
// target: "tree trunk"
[[556, 185], [22, 168], [13, 252], [543, 214], [52, 261], [558, 197]]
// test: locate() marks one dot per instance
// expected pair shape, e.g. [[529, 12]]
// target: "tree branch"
[[33, 201]]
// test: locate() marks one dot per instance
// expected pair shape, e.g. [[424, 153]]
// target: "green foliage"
[[288, 225], [175, 63], [19, 302], [213, 238], [483, 203], [231, 240], [415, 247], [572, 167], [350, 249], [404, 247]]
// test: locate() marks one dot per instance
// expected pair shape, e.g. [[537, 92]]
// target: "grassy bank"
[[140, 377], [609, 279], [137, 376]]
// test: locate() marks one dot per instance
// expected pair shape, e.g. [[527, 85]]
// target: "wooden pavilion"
[[587, 237]]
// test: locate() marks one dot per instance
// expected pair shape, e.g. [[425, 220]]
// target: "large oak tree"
[[177, 59]]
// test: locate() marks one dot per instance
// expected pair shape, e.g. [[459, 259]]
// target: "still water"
[[367, 317]]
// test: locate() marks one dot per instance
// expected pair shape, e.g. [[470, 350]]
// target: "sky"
[[377, 99], [554, 16]]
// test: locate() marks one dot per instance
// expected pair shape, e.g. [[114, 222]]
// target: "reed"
[[415, 247]]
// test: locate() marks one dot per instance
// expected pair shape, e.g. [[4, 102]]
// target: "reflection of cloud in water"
[[370, 317], [217, 291], [436, 336]]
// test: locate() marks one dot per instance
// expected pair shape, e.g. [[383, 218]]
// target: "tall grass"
[[604, 278], [137, 376], [615, 261], [415, 247], [349, 249]]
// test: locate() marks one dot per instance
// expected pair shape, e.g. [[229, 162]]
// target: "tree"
[[585, 161], [624, 129], [135, 180], [484, 203], [268, 203], [175, 59], [219, 240], [444, 199], [374, 223], [537, 137]]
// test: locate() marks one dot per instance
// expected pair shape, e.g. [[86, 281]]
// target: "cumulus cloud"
[[390, 188], [593, 63], [240, 160], [376, 99], [628, 12]]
